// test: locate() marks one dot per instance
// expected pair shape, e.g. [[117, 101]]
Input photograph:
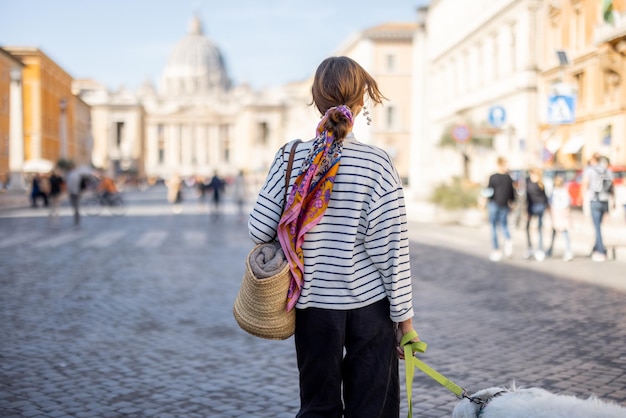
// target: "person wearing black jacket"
[[537, 204], [57, 185], [502, 197]]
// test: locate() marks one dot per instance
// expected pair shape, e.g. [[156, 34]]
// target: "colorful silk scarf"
[[309, 199]]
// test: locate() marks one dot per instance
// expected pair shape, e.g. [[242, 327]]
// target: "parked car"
[[619, 177]]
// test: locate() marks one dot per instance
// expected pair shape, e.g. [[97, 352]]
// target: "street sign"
[[461, 133], [561, 109], [497, 116]]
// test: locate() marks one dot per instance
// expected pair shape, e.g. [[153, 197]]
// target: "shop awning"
[[553, 144], [573, 145], [37, 165]]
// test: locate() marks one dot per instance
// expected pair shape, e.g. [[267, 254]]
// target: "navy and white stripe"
[[358, 254]]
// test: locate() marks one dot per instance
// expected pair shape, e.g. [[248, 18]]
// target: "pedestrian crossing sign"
[[561, 109]]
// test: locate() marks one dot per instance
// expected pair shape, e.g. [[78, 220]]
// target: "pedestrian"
[[239, 193], [201, 187], [75, 185], [344, 232], [106, 188], [501, 195], [36, 192], [175, 193], [4, 180], [44, 189], [216, 185], [560, 202], [536, 206], [597, 190], [57, 185]]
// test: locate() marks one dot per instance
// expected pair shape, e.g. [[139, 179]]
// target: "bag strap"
[[289, 167], [292, 154]]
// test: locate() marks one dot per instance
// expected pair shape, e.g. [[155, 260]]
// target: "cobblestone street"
[[132, 317]]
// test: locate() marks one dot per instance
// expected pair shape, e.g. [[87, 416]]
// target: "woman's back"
[[356, 239]]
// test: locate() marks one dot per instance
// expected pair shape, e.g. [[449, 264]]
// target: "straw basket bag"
[[261, 305], [260, 308]]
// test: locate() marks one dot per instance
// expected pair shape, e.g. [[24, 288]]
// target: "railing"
[[606, 32]]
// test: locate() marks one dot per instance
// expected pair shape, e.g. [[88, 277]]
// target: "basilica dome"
[[195, 67]]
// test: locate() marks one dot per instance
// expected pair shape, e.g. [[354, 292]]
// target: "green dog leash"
[[411, 362]]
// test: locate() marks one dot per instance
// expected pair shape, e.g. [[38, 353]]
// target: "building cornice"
[[11, 57]]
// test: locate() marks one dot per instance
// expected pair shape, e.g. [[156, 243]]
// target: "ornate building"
[[55, 123], [196, 122], [584, 55], [386, 52], [479, 69], [11, 120]]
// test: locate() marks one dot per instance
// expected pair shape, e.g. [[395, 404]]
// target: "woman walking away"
[[560, 202], [537, 203], [344, 232]]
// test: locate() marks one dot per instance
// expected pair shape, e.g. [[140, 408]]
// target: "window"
[[578, 29], [580, 86], [161, 143], [193, 145], [119, 134], [208, 143], [611, 85], [391, 117], [481, 60], [391, 63], [225, 140], [180, 143], [263, 133], [496, 56]]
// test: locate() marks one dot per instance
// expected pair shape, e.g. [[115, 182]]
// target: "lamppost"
[[63, 127]]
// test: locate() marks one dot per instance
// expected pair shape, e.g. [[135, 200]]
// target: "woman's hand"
[[403, 328]]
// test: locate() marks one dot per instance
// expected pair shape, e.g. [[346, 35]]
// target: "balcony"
[[606, 32]]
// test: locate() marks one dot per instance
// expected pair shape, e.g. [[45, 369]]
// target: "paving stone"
[[122, 330]]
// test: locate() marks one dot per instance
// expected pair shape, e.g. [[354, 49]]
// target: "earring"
[[366, 113]]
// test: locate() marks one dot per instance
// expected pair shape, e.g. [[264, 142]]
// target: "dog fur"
[[535, 403]]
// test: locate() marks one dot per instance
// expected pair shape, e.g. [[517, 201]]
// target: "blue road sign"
[[561, 109], [497, 116]]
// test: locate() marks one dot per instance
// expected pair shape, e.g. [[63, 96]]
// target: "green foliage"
[[459, 194], [65, 164], [481, 140]]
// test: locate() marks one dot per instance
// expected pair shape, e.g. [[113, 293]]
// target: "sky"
[[126, 42]]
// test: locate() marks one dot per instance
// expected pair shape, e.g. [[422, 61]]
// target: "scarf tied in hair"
[[309, 199]]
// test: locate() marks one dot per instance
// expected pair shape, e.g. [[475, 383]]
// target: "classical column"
[[172, 148], [151, 153], [16, 130], [421, 150]]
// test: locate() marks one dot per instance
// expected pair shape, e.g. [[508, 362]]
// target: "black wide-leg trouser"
[[368, 371]]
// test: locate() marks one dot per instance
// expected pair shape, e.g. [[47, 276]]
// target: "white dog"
[[533, 403]]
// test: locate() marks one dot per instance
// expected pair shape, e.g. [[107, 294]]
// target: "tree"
[[481, 137]]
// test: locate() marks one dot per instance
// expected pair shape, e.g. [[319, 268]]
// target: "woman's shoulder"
[[368, 149]]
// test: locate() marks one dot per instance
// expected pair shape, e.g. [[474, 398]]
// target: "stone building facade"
[[194, 122], [591, 42], [48, 122]]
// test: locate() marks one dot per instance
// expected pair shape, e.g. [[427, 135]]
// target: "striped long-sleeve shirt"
[[358, 253]]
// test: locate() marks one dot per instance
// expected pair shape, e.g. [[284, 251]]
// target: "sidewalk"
[[14, 199], [475, 239], [582, 234]]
